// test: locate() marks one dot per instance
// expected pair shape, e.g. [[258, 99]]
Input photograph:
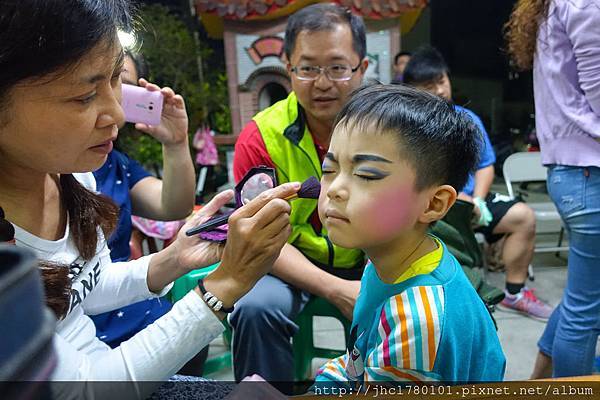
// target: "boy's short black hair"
[[400, 54], [438, 141], [426, 65], [324, 17]]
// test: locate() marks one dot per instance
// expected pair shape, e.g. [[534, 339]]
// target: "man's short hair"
[[426, 65], [324, 17], [401, 54], [438, 141]]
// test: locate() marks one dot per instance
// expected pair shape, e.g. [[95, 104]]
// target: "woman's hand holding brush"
[[309, 189], [257, 232]]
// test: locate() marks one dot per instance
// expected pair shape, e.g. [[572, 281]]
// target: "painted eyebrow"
[[358, 158], [99, 77]]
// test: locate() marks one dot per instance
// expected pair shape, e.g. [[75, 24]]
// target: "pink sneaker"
[[526, 302]]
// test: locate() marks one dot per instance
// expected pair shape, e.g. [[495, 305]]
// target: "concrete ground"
[[518, 333]]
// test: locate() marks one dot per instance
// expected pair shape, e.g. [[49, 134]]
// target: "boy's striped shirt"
[[409, 330]]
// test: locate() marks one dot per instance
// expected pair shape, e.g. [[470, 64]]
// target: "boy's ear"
[[440, 200]]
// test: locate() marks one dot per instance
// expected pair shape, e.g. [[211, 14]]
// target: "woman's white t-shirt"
[[98, 286]]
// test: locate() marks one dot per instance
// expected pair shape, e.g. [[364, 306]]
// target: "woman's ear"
[[441, 198]]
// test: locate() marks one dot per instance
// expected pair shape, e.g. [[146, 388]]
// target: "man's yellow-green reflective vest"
[[292, 150]]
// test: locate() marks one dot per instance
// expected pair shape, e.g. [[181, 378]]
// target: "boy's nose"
[[337, 192]]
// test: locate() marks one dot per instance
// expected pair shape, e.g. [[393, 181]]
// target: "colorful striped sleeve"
[[332, 375], [409, 329], [333, 370]]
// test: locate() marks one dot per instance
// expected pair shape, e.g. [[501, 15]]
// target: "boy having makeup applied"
[[396, 160]]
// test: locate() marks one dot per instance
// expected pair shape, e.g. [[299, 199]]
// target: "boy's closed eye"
[[329, 164], [370, 174], [361, 171], [327, 168]]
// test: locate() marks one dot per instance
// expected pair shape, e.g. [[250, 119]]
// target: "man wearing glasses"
[[325, 47]]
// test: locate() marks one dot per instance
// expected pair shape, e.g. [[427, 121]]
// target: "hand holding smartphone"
[[141, 105]]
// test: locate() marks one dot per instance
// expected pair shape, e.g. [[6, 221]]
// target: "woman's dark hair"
[[141, 66], [7, 231], [325, 17], [521, 31], [426, 65], [57, 284], [438, 141], [57, 287], [40, 38], [87, 212]]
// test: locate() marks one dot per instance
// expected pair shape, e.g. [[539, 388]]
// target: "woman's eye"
[[87, 99]]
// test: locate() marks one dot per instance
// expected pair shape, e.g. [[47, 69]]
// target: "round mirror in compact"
[[254, 186], [256, 181]]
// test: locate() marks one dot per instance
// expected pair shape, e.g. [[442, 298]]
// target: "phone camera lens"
[[150, 108]]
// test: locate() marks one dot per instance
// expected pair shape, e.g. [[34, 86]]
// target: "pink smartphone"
[[141, 105]]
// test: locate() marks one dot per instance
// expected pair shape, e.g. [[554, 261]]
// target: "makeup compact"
[[256, 181]]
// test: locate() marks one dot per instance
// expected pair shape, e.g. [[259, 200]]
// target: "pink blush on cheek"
[[390, 211]]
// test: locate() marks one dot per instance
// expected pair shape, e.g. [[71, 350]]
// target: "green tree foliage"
[[174, 56]]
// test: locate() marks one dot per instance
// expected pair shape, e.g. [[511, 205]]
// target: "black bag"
[[456, 232], [27, 357]]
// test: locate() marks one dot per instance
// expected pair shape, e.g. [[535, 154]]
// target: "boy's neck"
[[393, 259]]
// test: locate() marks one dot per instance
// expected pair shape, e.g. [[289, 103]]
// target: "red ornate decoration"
[[242, 9]]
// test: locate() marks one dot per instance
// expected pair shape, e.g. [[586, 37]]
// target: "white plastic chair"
[[527, 167]]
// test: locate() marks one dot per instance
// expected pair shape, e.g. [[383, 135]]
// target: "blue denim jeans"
[[571, 334]]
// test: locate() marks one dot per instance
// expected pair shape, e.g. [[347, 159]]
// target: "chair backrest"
[[523, 167]]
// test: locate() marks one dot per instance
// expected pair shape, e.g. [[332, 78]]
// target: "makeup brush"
[[309, 189]]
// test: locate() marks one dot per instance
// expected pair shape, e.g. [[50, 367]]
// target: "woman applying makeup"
[[60, 63]]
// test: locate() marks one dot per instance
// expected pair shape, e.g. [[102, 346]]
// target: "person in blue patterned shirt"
[[498, 216], [138, 192]]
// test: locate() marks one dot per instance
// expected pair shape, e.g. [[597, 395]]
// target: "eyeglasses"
[[336, 72]]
